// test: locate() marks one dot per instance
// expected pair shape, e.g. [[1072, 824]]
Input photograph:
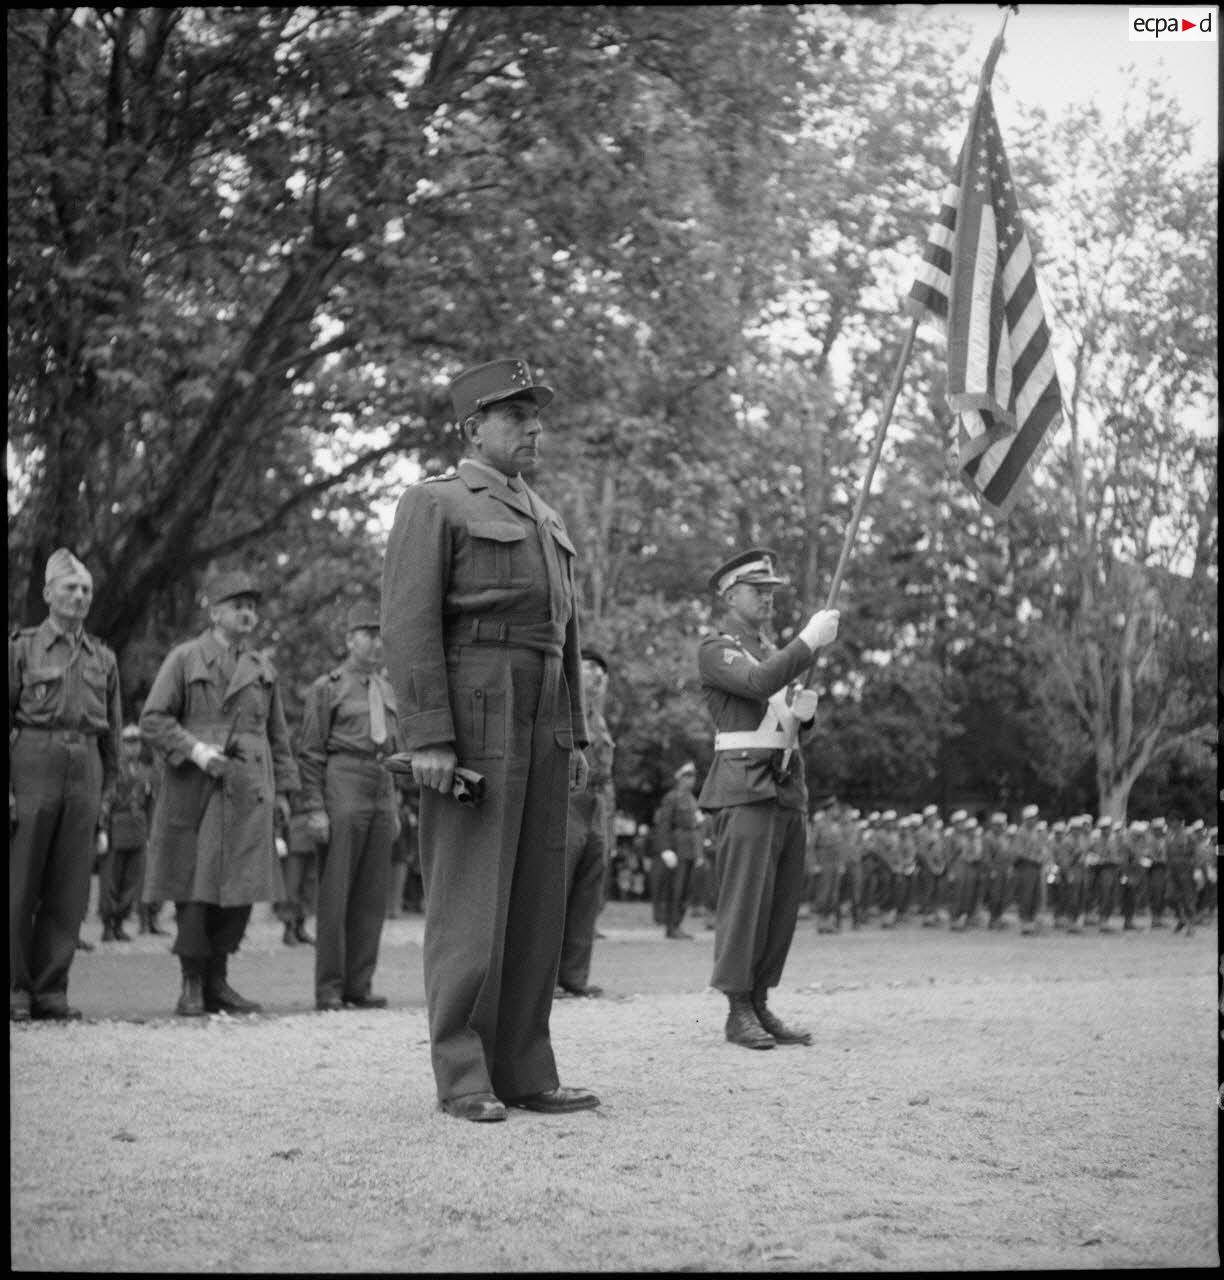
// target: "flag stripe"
[[978, 277]]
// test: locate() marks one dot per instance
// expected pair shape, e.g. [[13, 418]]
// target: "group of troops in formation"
[[492, 705], [1073, 873]]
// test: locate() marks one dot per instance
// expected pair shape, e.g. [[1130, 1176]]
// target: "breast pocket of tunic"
[[93, 685], [499, 553], [41, 688]]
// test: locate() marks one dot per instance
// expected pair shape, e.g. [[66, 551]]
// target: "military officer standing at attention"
[[65, 722], [215, 715], [586, 841], [756, 791], [348, 729], [481, 638]]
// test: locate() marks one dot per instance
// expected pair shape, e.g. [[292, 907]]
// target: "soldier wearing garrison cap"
[[481, 636], [65, 722], [349, 727], [676, 843], [215, 716], [589, 837], [756, 791]]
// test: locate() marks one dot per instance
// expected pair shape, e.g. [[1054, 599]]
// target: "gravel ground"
[[972, 1102]]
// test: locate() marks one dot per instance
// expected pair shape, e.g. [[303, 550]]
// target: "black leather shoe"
[[156, 929], [589, 993], [774, 1026], [220, 997], [299, 932], [121, 934], [82, 945], [55, 1013], [481, 1107], [329, 1006], [366, 1002], [679, 935], [108, 932], [556, 1101], [289, 937], [743, 1026]]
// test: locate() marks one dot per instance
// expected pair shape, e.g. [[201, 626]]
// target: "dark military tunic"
[[759, 811], [65, 721], [343, 775], [482, 647]]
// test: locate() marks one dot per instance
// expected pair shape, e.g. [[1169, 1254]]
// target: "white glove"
[[820, 629], [202, 755], [102, 843], [803, 706], [669, 859]]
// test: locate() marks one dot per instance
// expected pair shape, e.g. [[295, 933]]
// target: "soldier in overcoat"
[[215, 715], [65, 720], [348, 729], [481, 639], [756, 791]]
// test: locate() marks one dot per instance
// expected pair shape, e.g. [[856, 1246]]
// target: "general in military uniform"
[[586, 841], [756, 791], [65, 722], [348, 730], [481, 638], [676, 839], [215, 715]]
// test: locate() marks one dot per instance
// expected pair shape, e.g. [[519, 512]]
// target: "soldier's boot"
[[1157, 920], [191, 1002], [1076, 925], [299, 932], [108, 930], [121, 934], [959, 923], [889, 920], [743, 1026], [772, 1025], [219, 996], [289, 937]]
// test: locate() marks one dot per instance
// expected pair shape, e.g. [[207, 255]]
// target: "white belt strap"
[[778, 730]]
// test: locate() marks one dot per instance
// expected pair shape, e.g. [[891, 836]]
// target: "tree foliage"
[[248, 247]]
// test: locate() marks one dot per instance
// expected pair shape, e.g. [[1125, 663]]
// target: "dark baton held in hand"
[[467, 788]]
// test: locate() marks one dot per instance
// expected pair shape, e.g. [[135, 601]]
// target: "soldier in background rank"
[[348, 730], [676, 840], [756, 791], [215, 715], [482, 643], [586, 840], [65, 722], [1028, 858], [126, 824]]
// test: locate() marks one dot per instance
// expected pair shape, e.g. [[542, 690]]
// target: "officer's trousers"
[[760, 857], [57, 781], [584, 869], [494, 877], [354, 869]]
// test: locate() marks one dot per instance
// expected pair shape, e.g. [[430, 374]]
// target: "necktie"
[[378, 713]]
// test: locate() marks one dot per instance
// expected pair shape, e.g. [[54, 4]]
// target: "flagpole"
[[907, 346]]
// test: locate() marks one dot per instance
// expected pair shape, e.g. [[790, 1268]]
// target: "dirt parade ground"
[[977, 1101]]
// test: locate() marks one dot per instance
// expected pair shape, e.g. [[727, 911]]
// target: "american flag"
[[977, 277]]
